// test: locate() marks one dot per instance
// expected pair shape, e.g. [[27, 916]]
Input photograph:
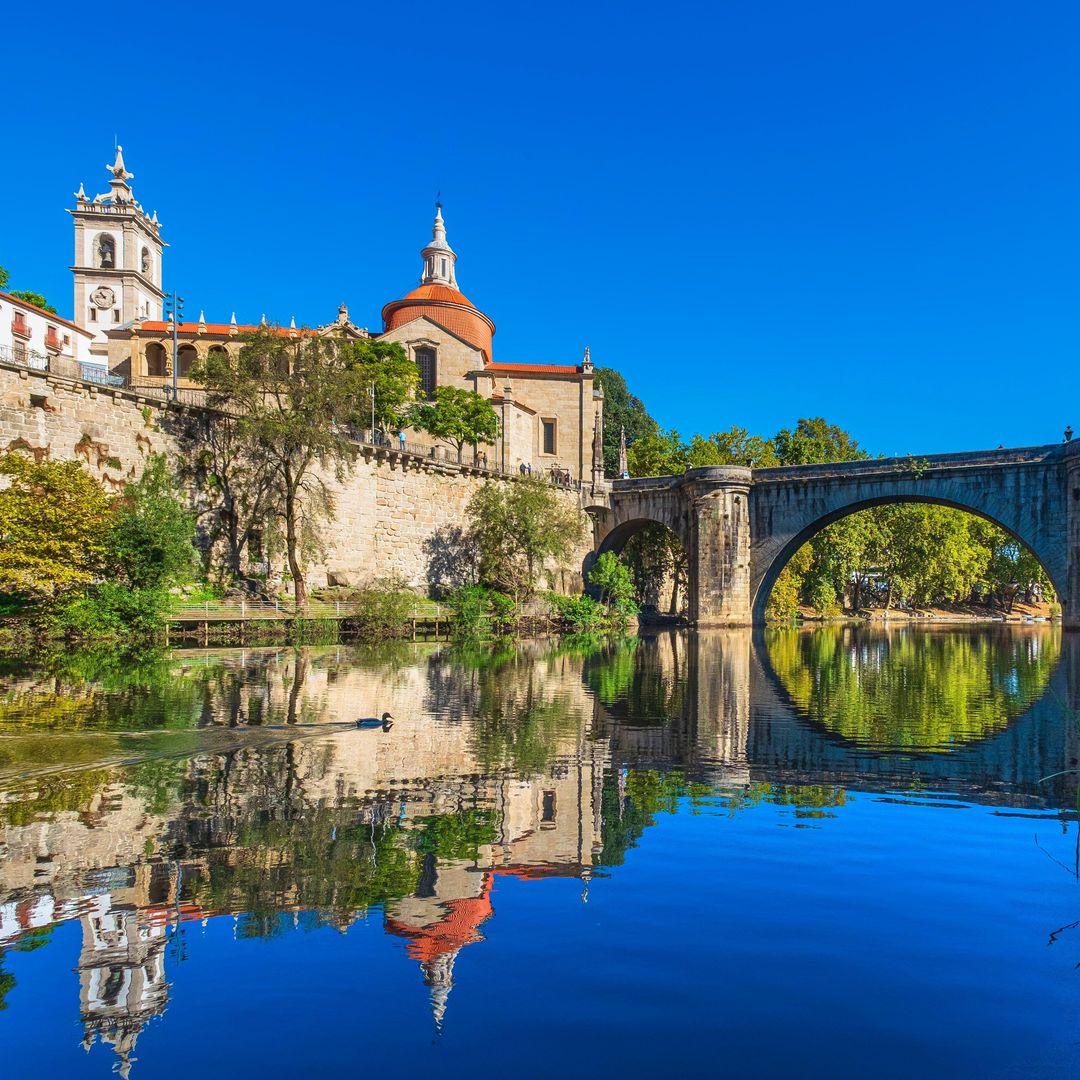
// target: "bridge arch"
[[771, 555]]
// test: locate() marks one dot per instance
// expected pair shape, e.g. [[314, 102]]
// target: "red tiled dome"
[[447, 307]]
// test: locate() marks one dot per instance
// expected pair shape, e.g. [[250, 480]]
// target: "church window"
[[116, 315], [549, 436], [425, 362], [106, 251], [93, 314], [547, 813], [444, 268]]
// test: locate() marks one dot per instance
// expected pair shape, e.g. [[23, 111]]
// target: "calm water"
[[826, 853]]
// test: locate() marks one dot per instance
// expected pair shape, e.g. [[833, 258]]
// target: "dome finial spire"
[[439, 257]]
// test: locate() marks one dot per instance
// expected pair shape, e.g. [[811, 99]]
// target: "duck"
[[386, 723]]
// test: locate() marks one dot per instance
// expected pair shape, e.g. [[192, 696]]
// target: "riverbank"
[[953, 613]]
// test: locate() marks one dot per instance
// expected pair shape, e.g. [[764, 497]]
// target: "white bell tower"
[[117, 258]]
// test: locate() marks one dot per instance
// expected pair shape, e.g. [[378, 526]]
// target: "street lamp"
[[174, 307]]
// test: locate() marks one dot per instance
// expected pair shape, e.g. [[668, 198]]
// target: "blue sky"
[[756, 211]]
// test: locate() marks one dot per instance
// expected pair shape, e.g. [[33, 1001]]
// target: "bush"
[[582, 614], [108, 610], [616, 584], [385, 609], [475, 607]]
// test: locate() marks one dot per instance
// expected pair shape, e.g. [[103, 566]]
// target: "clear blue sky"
[[756, 210]]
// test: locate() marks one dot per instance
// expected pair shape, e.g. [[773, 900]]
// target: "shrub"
[[475, 607], [616, 584], [581, 614], [385, 609], [108, 610]]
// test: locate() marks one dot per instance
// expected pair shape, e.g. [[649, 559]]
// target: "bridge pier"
[[718, 554]]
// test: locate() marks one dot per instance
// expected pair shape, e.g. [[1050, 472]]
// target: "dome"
[[438, 296], [446, 306]]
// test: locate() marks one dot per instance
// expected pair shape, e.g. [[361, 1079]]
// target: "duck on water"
[[386, 723]]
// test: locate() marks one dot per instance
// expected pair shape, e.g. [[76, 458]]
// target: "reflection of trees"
[[645, 678], [913, 689]]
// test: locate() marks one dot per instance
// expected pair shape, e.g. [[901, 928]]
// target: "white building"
[[33, 337]]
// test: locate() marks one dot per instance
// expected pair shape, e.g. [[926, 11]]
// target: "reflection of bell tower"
[[122, 972], [117, 258]]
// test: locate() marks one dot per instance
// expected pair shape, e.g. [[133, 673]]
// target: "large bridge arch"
[[772, 554]]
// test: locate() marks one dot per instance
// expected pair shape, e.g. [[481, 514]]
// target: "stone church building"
[[549, 413]]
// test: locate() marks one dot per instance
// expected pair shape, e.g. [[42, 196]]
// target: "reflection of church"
[[548, 412]]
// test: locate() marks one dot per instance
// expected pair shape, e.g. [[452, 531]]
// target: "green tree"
[[150, 539], [517, 527], [4, 275], [34, 298], [623, 411], [816, 442], [396, 379], [612, 577], [459, 416], [55, 522], [659, 453], [294, 402]]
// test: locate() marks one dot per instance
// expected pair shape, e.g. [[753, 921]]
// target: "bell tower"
[[117, 258]]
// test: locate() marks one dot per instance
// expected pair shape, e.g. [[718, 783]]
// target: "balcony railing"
[[20, 327], [29, 358], [93, 373]]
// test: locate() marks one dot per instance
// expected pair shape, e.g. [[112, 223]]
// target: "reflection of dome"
[[439, 299]]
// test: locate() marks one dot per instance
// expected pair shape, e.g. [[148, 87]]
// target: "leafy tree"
[[658, 453], [55, 524], [4, 275], [150, 538], [459, 416], [612, 577], [623, 411], [294, 402], [386, 366], [517, 527], [816, 442], [34, 298]]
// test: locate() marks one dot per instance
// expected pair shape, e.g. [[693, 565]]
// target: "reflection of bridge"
[[737, 724], [740, 526]]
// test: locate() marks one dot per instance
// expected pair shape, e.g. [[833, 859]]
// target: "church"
[[551, 415]]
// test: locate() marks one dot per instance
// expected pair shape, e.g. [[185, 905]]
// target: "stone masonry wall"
[[396, 514]]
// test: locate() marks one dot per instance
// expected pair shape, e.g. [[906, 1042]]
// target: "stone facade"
[[396, 514]]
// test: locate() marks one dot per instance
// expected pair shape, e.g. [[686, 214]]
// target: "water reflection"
[[234, 785]]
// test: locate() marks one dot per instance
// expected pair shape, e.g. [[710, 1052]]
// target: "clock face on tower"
[[103, 297]]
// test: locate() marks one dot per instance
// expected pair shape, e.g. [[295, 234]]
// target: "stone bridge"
[[740, 526]]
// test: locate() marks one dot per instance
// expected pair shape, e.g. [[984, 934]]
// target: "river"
[[834, 852]]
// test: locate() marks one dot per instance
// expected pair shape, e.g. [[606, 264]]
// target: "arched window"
[[218, 350], [106, 251], [185, 360], [425, 362], [155, 360], [146, 264]]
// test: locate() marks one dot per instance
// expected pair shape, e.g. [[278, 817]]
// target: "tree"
[[34, 298], [612, 577], [623, 411], [660, 453], [386, 366], [294, 402], [816, 442], [55, 522], [517, 527], [151, 534], [4, 275], [459, 416]]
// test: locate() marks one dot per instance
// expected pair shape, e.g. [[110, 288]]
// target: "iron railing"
[[93, 373], [29, 358]]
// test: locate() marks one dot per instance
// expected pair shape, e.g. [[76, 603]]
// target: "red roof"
[[459, 927], [41, 311], [536, 369], [220, 328]]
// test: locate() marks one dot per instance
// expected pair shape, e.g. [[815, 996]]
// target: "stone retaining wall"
[[396, 514]]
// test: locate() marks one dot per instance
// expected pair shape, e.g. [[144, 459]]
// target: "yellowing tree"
[[54, 527]]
